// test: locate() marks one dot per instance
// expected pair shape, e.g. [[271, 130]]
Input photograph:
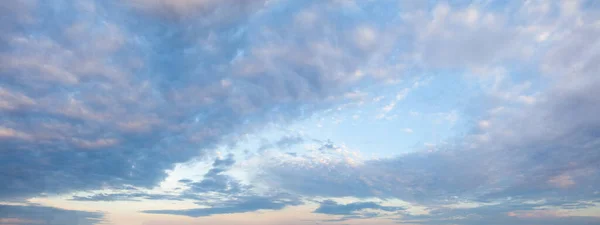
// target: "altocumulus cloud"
[[514, 212], [113, 93], [525, 148]]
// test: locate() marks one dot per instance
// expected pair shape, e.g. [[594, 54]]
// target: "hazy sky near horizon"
[[285, 112]]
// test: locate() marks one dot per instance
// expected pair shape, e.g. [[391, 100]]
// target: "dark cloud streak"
[[33, 215], [241, 205], [333, 208]]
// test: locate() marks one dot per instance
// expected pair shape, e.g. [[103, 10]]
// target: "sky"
[[290, 112]]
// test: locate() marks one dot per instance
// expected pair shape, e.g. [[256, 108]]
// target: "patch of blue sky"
[[428, 114]]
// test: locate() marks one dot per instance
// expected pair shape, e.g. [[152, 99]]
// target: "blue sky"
[[275, 112]]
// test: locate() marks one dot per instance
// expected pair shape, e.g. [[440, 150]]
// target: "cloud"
[[402, 94], [459, 37], [283, 143], [132, 196], [210, 11], [288, 141], [241, 205], [504, 213], [224, 163], [216, 193], [333, 208], [215, 180], [541, 150], [535, 152], [102, 95], [33, 215]]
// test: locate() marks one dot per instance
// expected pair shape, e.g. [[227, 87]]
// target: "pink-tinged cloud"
[[562, 181], [537, 214], [17, 221]]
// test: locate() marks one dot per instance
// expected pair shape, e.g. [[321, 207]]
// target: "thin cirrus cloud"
[[101, 101]]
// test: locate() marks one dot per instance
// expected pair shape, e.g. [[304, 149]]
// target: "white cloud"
[[365, 37], [378, 98], [526, 99], [402, 94], [451, 117], [389, 107], [484, 124], [429, 145]]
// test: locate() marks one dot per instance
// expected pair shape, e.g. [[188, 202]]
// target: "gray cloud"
[[288, 141], [240, 205], [204, 12], [214, 181], [31, 214], [473, 35], [217, 192], [224, 163], [110, 94], [513, 212], [283, 143], [132, 196], [333, 208], [106, 94], [541, 149]]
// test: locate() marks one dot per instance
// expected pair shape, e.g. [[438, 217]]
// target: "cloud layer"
[[109, 96], [111, 93], [31, 214]]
